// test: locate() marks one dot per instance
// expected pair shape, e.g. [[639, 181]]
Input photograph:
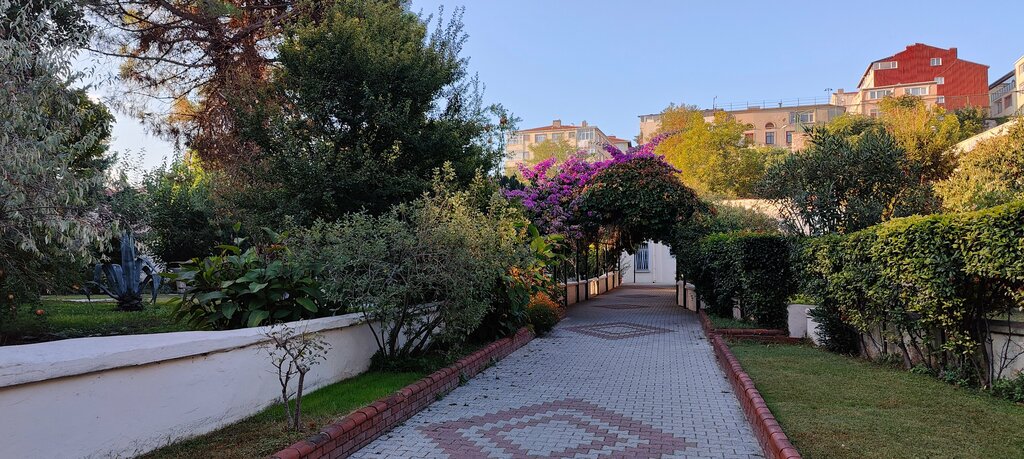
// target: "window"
[[556, 136], [940, 80], [936, 61], [885, 65], [879, 93], [801, 117], [769, 126], [642, 258], [748, 137], [1008, 101], [789, 137], [515, 139], [940, 100], [769, 138], [873, 113], [586, 134], [916, 91], [538, 138], [997, 106]]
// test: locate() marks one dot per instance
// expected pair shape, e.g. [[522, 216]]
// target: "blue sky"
[[608, 61]]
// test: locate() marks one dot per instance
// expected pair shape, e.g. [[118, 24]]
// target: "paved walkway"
[[627, 374]]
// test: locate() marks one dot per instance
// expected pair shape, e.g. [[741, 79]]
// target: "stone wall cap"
[[57, 359]]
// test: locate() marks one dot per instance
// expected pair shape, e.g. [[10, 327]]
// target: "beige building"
[[1006, 95], [781, 127], [583, 137]]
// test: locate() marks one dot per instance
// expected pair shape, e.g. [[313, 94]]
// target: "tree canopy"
[[373, 102], [841, 184], [711, 155], [990, 174]]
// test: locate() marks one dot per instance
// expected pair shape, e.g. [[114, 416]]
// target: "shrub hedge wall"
[[754, 269], [928, 283]]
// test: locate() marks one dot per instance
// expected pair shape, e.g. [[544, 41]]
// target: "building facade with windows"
[[1006, 95], [936, 75], [781, 127], [583, 137]]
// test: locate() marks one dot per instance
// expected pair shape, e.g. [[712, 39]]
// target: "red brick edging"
[[767, 430], [761, 335], [366, 424]]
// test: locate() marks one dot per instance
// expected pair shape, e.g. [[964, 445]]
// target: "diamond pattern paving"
[[618, 330], [608, 382]]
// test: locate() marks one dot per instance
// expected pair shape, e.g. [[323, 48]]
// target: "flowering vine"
[[553, 192]]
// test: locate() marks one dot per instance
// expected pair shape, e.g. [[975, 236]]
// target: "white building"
[[652, 263]]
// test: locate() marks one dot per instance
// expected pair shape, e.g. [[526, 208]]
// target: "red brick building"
[[937, 75]]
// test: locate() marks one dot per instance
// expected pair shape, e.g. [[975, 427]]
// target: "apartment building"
[[584, 137], [767, 125], [936, 75], [1002, 96], [1006, 95]]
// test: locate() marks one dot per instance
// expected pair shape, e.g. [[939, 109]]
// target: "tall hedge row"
[[928, 283], [752, 269]]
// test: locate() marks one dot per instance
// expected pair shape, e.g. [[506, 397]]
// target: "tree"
[[841, 184], [990, 174], [560, 150], [711, 155], [927, 135], [206, 61], [183, 222], [50, 136], [374, 102]]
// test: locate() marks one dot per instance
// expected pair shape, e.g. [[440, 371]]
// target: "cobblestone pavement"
[[627, 374]]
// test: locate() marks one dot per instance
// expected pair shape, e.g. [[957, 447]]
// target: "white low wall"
[[120, 396]]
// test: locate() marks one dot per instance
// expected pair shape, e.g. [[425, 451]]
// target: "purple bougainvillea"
[[553, 191]]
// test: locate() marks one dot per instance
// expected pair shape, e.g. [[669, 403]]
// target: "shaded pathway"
[[627, 374]]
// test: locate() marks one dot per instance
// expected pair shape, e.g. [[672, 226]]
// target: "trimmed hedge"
[[929, 283], [754, 269]]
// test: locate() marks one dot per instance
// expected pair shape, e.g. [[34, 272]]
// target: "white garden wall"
[[121, 396]]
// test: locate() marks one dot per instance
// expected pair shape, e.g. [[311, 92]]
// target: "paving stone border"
[[366, 424], [769, 434]]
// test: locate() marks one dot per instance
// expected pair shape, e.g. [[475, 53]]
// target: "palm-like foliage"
[[125, 282]]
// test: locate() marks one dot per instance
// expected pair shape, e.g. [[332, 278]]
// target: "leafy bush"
[[531, 277], [752, 269], [929, 284], [716, 219], [249, 288], [543, 312], [841, 184], [988, 175], [424, 272], [638, 199], [1010, 388], [814, 259]]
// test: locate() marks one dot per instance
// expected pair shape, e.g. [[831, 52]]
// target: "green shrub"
[[543, 313], [929, 284], [1010, 388], [426, 270], [247, 288], [752, 269]]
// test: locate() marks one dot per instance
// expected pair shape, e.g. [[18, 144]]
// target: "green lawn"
[[266, 433], [833, 406], [729, 322], [63, 319]]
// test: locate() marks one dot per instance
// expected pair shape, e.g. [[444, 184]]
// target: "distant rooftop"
[[764, 104]]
